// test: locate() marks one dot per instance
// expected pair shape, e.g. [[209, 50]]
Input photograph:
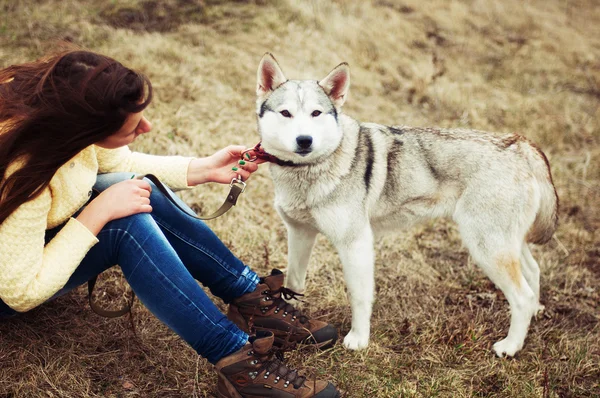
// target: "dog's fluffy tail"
[[546, 219]]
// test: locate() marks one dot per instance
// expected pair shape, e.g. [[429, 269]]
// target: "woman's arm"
[[172, 170], [177, 171], [31, 273]]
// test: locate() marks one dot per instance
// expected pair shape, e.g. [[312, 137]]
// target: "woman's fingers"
[[143, 192], [144, 204], [145, 209], [252, 167], [143, 184], [252, 156], [240, 173], [236, 149], [248, 166], [244, 169]]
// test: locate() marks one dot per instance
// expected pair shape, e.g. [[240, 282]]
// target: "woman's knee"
[[136, 225], [132, 235]]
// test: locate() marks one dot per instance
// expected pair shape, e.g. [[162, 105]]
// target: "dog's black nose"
[[304, 141]]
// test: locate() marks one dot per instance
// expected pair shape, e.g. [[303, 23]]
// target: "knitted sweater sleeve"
[[172, 170], [31, 273]]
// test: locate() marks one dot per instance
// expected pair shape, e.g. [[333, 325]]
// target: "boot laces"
[[273, 362], [288, 294]]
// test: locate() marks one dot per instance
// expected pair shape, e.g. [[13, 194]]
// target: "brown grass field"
[[531, 67]]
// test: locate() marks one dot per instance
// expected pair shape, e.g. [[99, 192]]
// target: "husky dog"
[[351, 180]]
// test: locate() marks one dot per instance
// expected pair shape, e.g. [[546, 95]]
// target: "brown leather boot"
[[256, 371], [266, 309]]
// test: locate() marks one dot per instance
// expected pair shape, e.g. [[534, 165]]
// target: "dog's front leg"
[[301, 239], [357, 256]]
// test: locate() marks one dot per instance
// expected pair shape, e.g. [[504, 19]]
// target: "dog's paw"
[[506, 348], [296, 284], [354, 341], [296, 287]]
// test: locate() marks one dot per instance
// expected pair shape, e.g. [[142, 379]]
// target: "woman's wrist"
[[93, 218], [198, 172]]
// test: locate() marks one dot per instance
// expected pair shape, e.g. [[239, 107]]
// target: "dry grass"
[[530, 67]]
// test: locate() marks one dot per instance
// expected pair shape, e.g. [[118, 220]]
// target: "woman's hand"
[[221, 167], [117, 201]]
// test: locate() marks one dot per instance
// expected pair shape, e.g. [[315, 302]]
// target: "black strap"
[[237, 187]]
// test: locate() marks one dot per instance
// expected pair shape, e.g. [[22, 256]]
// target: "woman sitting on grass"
[[65, 123]]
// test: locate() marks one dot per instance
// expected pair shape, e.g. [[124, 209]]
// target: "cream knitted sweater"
[[32, 272]]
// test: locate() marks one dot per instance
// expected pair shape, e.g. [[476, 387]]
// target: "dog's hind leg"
[[504, 269], [499, 257], [531, 272], [357, 256], [493, 221], [301, 239]]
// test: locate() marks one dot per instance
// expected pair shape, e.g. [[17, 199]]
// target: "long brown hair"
[[52, 109]]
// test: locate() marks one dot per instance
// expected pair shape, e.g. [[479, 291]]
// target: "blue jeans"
[[162, 254]]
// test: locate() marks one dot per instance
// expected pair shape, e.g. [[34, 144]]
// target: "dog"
[[350, 181]]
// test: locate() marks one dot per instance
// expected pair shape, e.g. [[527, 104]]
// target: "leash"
[[237, 187]]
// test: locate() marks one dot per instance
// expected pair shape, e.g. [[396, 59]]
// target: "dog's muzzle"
[[304, 143]]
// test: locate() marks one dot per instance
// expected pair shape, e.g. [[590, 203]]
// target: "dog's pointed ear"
[[336, 84], [269, 75]]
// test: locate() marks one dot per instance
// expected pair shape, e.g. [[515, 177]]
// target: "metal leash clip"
[[238, 180]]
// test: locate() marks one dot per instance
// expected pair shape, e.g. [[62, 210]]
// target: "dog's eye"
[[286, 113], [315, 113]]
